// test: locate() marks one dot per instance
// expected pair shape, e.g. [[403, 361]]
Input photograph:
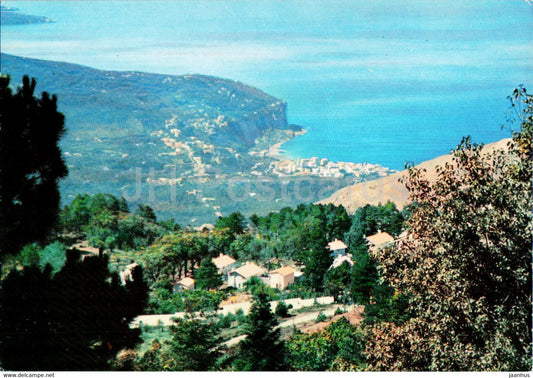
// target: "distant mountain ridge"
[[183, 128], [231, 107], [12, 16], [390, 188]]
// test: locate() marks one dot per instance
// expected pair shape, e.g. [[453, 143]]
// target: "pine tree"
[[30, 165], [75, 320], [207, 276], [194, 345], [262, 349]]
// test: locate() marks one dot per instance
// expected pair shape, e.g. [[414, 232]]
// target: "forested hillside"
[[98, 284]]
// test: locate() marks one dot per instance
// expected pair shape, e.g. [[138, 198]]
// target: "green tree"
[[55, 255], [310, 351], [146, 212], [76, 215], [364, 278], [282, 310], [30, 165], [465, 263], [29, 255], [76, 320], [262, 349], [194, 345], [207, 276], [337, 281], [254, 284], [234, 222], [387, 306]]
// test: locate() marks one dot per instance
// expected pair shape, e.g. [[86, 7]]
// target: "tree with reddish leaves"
[[465, 263]]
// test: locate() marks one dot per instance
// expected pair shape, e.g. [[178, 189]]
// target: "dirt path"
[[166, 319], [298, 319]]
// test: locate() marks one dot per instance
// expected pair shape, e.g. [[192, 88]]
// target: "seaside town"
[[315, 166]]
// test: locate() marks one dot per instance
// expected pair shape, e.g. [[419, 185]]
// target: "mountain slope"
[[157, 138], [390, 188]]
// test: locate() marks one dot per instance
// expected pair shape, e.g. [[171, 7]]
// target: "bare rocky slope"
[[390, 188]]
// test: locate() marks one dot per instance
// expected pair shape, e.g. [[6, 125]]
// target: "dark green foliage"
[[282, 310], [350, 345], [27, 339], [163, 301], [105, 222], [30, 165], [254, 284], [387, 306], [53, 254], [76, 320], [369, 219], [310, 352], [233, 222], [207, 276], [170, 225], [317, 262], [337, 281], [29, 255], [262, 349], [194, 345], [146, 212], [364, 278], [254, 218]]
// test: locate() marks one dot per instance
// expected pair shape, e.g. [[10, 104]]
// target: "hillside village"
[[236, 276], [236, 273]]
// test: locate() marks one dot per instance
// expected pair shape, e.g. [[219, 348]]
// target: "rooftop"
[[380, 238], [187, 281], [336, 244], [283, 271], [223, 261], [248, 270]]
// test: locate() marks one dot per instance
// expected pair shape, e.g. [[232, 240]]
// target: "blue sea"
[[383, 82]]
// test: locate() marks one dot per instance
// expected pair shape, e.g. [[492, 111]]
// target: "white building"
[[186, 283], [340, 259], [337, 247]]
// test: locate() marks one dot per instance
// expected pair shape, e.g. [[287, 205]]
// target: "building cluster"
[[325, 168], [236, 276]]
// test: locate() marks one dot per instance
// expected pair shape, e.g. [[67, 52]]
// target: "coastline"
[[277, 152]]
